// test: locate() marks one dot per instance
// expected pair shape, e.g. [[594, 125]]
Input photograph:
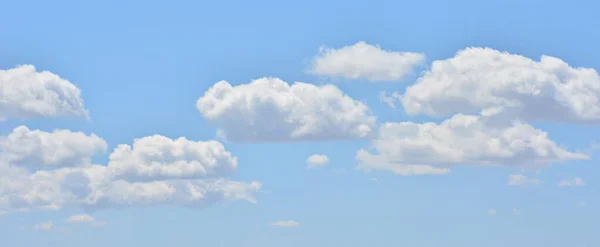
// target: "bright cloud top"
[[158, 157], [408, 148], [38, 149], [316, 160], [364, 61], [26, 93], [269, 109], [499, 83], [157, 170]]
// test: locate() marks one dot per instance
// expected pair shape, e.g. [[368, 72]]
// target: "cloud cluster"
[[489, 96], [53, 170], [26, 93], [269, 109], [155, 170], [364, 61]]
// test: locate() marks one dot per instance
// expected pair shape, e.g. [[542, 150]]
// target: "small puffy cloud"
[[84, 218], [44, 226], [492, 211], [40, 149], [158, 157], [522, 180], [364, 61], [408, 148], [27, 93], [81, 218], [572, 182], [317, 160], [165, 172], [506, 85], [269, 109], [285, 224], [390, 99]]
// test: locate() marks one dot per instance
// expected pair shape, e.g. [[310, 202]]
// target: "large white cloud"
[[26, 93], [409, 148], [364, 61], [493, 82], [157, 170], [158, 157], [269, 109], [40, 149]]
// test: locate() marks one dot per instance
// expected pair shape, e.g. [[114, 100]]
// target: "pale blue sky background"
[[141, 66]]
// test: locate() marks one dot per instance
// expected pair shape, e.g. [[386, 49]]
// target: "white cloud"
[[158, 157], [492, 211], [364, 61], [572, 182], [269, 109], [27, 93], [507, 85], [408, 148], [389, 100], [39, 149], [521, 180], [100, 186], [285, 224], [44, 226], [317, 160], [81, 218], [84, 218]]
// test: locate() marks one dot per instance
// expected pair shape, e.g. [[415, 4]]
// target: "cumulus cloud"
[[492, 211], [317, 160], [364, 61], [508, 85], [155, 171], [159, 157], [572, 182], [285, 224], [408, 148], [84, 218], [27, 93], [40, 149], [269, 109], [521, 180]]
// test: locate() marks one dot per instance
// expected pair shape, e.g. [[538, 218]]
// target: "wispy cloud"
[[285, 224], [571, 182]]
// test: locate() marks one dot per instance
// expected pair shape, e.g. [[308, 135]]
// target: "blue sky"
[[488, 177]]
